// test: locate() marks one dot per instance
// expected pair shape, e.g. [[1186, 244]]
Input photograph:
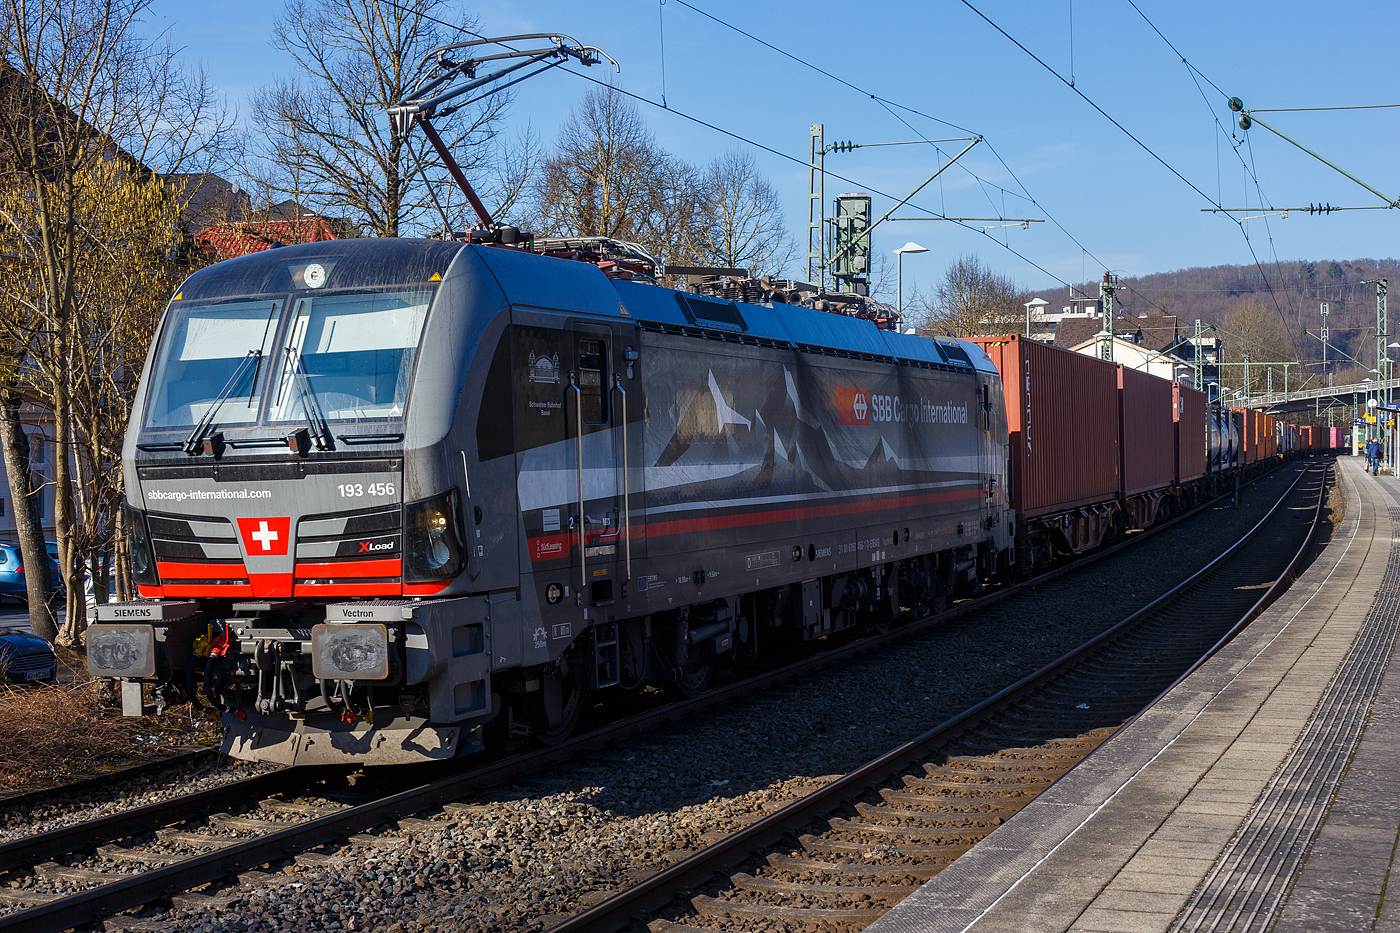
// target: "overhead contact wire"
[[889, 106], [1196, 77], [790, 158]]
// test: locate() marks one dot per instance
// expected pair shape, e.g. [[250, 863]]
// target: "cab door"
[[596, 515]]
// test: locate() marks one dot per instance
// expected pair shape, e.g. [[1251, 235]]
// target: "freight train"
[[395, 500]]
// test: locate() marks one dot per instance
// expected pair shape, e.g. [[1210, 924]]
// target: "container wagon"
[[1147, 444], [1062, 426], [1189, 413]]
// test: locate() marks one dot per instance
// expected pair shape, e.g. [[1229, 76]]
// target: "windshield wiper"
[[194, 444], [320, 432]]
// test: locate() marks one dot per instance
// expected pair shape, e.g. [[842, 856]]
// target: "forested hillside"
[[1291, 292]]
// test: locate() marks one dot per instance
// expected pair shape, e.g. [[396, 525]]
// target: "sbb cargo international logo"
[[852, 405]]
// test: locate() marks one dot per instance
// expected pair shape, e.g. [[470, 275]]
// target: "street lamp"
[[910, 247], [1036, 305]]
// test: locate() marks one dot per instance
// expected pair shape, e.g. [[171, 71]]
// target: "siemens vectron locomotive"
[[391, 499]]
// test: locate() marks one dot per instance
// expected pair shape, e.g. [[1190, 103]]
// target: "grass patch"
[[50, 733]]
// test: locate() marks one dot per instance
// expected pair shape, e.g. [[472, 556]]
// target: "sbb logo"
[[852, 405]]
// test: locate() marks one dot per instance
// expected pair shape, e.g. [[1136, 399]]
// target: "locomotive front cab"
[[290, 499]]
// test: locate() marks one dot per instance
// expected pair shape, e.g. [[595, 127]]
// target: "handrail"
[[582, 516], [626, 489]]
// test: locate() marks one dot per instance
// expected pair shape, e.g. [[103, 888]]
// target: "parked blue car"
[[12, 572], [26, 657]]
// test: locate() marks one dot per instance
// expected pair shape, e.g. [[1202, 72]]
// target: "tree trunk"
[[99, 563], [27, 502], [122, 559], [76, 619]]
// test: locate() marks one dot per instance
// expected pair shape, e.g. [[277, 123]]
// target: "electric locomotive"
[[391, 500]]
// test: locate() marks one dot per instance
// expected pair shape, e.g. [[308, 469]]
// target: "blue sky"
[[1119, 207]]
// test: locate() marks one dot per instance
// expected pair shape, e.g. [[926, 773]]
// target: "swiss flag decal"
[[265, 537]]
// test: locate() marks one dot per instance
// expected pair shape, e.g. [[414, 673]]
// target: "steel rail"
[[133, 891], [27, 850], [1284, 579], [28, 798], [650, 895]]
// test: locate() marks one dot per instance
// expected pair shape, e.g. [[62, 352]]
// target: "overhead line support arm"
[[905, 200]]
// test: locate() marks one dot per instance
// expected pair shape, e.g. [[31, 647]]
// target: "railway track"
[[105, 779], [954, 785], [185, 843]]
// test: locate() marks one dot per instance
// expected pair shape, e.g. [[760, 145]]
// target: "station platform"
[[1262, 793]]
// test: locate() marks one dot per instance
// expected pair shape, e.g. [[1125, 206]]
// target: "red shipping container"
[[1062, 416], [1336, 437], [1147, 443], [1249, 431], [1191, 441]]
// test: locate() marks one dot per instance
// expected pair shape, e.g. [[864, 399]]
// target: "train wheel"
[[562, 696], [886, 610], [1010, 569], [693, 675]]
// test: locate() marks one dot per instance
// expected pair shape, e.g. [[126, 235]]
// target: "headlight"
[[349, 652], [432, 545], [143, 566], [121, 651]]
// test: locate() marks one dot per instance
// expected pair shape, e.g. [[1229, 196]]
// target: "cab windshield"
[[353, 354], [203, 348], [347, 356]]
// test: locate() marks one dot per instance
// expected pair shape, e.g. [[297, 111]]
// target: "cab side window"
[[593, 380]]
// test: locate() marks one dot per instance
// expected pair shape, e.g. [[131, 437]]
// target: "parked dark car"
[[26, 657], [12, 572]]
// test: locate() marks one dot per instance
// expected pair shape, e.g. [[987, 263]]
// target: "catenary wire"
[[1196, 77], [1192, 185], [890, 106], [887, 104], [791, 158], [783, 155]]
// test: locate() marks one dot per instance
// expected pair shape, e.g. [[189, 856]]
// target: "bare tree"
[[971, 300], [82, 94], [608, 177], [743, 223], [326, 140], [1254, 331], [606, 174]]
